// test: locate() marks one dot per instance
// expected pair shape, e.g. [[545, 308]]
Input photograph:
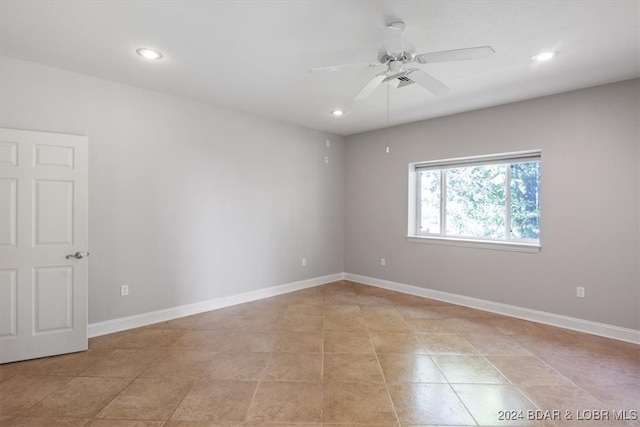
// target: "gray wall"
[[189, 202], [590, 221], [186, 202]]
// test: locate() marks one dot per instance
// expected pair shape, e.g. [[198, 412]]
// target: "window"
[[483, 201]]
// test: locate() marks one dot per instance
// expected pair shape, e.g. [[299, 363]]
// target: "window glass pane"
[[476, 201], [430, 201], [525, 200]]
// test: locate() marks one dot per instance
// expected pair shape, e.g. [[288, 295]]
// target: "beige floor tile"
[[148, 399], [287, 402], [124, 423], [345, 298], [348, 310], [431, 326], [104, 342], [238, 366], [473, 326], [304, 309], [495, 404], [41, 366], [296, 298], [202, 340], [376, 312], [527, 370], [255, 321], [9, 370], [180, 364], [600, 346], [330, 355], [468, 369], [385, 318], [216, 400], [409, 368], [71, 364], [357, 403], [123, 364], [81, 397], [621, 396], [150, 339], [301, 324], [241, 342], [297, 342], [419, 312], [396, 342], [21, 391], [387, 324], [429, 404], [42, 422], [294, 367], [344, 367], [344, 322], [587, 369], [446, 344], [266, 424], [511, 326], [275, 304], [497, 345], [204, 424], [347, 342], [372, 300], [76, 363], [570, 401]]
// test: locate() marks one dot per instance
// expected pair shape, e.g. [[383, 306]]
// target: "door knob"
[[77, 255]]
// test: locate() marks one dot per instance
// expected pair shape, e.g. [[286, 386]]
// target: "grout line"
[[384, 379], [252, 399], [182, 400]]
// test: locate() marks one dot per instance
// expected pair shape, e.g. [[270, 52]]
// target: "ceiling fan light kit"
[[394, 55]]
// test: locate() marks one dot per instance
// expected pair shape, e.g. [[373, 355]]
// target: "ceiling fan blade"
[[370, 87], [340, 67], [456, 54], [392, 39], [428, 82]]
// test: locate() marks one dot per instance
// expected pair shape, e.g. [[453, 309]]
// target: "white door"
[[43, 244]]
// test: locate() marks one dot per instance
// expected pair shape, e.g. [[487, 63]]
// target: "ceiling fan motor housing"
[[386, 57]]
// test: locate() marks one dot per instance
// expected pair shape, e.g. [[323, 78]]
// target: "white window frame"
[[413, 233]]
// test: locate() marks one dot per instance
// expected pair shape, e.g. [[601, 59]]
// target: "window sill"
[[477, 244]]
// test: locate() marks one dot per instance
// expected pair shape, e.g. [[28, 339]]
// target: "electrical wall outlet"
[[124, 290], [304, 262], [383, 261], [580, 292]]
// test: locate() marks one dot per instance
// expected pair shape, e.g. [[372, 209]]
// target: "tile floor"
[[339, 354]]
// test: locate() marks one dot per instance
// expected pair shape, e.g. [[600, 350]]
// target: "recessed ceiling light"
[[337, 113], [148, 53], [544, 56]]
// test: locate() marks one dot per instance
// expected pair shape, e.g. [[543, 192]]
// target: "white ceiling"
[[254, 55]]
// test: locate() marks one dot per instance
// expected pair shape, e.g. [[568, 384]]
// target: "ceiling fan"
[[396, 56]]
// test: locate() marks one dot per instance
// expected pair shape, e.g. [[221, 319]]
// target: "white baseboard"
[[144, 319], [572, 323], [566, 322]]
